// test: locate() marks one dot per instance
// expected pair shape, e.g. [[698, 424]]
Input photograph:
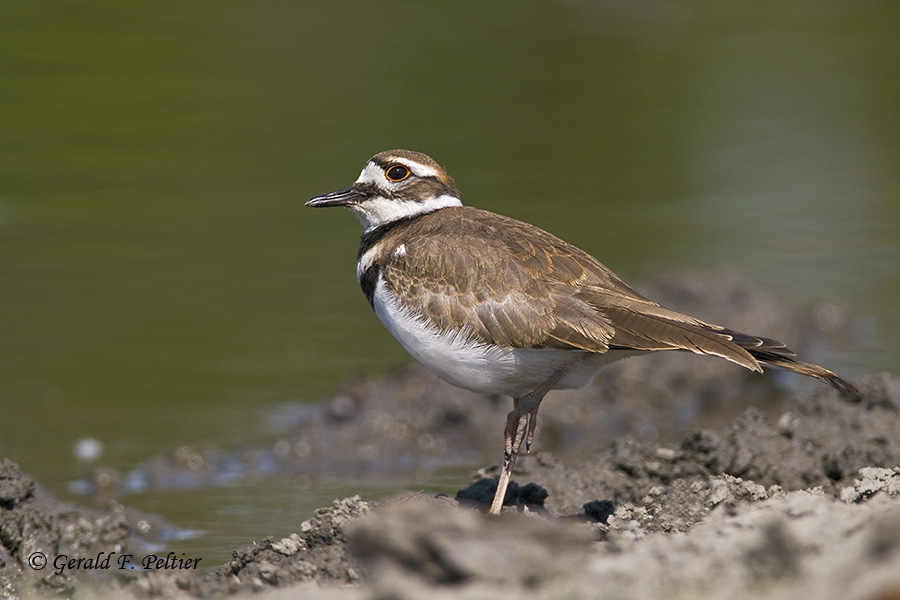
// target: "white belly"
[[480, 367]]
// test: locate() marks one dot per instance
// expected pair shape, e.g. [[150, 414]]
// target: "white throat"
[[380, 211]]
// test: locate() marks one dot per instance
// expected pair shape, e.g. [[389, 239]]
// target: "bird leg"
[[520, 426]]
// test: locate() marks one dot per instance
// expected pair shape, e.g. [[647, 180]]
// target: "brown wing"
[[514, 285], [509, 283], [644, 325], [500, 280]]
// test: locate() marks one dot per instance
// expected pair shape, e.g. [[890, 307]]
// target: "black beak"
[[349, 195]]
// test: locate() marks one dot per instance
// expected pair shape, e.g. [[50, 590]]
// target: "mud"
[[631, 493], [36, 528]]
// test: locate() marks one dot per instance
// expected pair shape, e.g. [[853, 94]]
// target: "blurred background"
[[162, 285]]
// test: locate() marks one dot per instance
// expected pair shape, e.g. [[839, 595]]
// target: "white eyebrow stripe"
[[418, 168], [373, 173]]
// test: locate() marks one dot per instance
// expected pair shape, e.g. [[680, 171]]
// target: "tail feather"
[[639, 324], [774, 353]]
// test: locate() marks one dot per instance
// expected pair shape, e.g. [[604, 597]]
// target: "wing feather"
[[510, 290], [508, 283], [500, 281]]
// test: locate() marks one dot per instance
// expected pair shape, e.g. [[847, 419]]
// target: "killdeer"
[[498, 306]]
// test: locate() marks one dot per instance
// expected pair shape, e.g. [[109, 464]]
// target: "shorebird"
[[498, 306]]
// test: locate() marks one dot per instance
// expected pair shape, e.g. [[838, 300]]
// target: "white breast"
[[481, 367]]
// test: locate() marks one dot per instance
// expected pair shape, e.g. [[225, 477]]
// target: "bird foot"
[[520, 427]]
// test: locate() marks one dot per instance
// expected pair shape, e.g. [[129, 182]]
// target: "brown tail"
[[776, 354], [639, 324]]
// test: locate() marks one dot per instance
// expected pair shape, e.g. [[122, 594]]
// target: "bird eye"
[[397, 173]]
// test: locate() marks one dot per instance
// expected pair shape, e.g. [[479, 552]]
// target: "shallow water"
[[161, 283]]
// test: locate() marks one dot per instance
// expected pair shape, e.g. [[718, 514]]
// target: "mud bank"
[[40, 536], [657, 481], [806, 503]]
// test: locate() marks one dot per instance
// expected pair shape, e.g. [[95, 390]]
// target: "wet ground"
[[778, 492]]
